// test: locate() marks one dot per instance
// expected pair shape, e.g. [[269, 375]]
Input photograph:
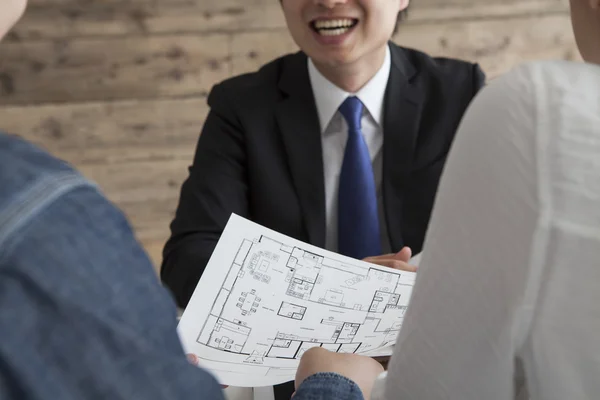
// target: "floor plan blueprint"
[[265, 299]]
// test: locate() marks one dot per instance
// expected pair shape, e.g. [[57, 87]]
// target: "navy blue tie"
[[358, 220]]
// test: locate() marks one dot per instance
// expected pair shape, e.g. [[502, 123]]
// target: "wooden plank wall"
[[118, 87]]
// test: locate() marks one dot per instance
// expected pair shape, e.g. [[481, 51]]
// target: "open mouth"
[[333, 27]]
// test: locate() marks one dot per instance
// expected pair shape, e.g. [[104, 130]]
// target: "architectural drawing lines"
[[326, 303], [264, 299]]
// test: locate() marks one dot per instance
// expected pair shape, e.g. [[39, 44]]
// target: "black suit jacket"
[[259, 156]]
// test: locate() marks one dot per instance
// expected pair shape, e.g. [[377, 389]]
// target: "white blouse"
[[511, 268]]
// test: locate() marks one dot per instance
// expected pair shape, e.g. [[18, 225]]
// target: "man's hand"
[[360, 369], [398, 260]]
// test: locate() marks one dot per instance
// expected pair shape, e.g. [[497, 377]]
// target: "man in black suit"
[[276, 146]]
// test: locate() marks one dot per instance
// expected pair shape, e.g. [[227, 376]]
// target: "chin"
[[335, 58]]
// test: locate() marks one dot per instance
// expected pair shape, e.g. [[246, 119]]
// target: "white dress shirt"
[[334, 135], [511, 269]]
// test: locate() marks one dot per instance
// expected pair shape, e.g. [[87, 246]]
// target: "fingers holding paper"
[[398, 260]]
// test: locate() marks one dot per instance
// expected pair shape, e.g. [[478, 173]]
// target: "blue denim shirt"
[[82, 312]]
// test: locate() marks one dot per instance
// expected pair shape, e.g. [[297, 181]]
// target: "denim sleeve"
[[326, 386], [82, 313]]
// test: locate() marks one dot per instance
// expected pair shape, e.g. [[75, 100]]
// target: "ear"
[[10, 12], [403, 5]]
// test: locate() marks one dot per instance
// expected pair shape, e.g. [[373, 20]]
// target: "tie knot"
[[352, 109]]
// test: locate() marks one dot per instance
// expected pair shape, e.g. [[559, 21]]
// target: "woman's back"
[[511, 268], [562, 351]]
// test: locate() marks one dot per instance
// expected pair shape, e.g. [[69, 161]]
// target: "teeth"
[[333, 32], [333, 23]]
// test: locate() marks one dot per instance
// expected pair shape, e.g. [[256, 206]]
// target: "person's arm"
[[83, 314], [323, 374], [472, 301], [327, 386], [215, 188]]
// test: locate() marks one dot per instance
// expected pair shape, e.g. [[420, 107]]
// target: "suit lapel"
[[402, 113], [300, 130]]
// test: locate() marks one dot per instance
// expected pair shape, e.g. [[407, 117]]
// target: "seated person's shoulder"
[[22, 156], [442, 67], [254, 87], [26, 168], [547, 83], [558, 77], [539, 98]]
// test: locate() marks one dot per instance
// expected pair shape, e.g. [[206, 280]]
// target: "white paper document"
[[265, 298]]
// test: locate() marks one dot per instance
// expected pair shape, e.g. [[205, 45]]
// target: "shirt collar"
[[329, 97]]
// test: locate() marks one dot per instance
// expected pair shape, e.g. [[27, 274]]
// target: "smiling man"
[[340, 145]]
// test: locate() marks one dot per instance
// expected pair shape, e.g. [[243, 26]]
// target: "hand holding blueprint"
[[265, 298]]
